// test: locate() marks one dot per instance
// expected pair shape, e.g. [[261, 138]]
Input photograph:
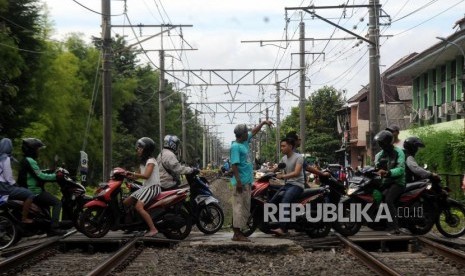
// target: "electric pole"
[[373, 32], [183, 123], [302, 86], [278, 119], [106, 89], [161, 97]]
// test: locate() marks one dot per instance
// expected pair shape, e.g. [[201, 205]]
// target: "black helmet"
[[171, 142], [240, 130], [412, 144], [147, 145], [384, 139], [30, 147]]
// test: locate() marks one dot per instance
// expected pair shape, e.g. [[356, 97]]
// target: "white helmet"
[[171, 142]]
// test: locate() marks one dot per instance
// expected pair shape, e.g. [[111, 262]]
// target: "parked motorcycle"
[[417, 203], [11, 229], [106, 211], [262, 192]]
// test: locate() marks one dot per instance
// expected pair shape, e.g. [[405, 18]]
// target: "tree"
[[322, 138]]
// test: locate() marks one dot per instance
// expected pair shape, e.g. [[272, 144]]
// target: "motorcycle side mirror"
[[281, 166]]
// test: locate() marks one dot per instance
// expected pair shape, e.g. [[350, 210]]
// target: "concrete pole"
[[302, 86], [183, 126], [106, 89], [161, 97], [278, 119], [374, 91], [204, 144]]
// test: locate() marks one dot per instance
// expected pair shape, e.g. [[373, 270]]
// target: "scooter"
[[11, 229], [106, 211]]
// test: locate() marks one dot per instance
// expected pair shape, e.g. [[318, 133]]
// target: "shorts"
[[145, 194]]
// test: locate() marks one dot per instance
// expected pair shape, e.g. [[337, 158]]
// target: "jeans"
[[47, 199], [391, 194], [291, 192]]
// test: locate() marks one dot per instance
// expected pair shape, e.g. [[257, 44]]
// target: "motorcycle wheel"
[[94, 222], [451, 221], [184, 231], [9, 234], [320, 230], [251, 226], [347, 228], [210, 219], [423, 226]]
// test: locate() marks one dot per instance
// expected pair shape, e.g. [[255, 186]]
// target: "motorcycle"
[[451, 218], [262, 192], [203, 206], [11, 229], [417, 204], [106, 211]]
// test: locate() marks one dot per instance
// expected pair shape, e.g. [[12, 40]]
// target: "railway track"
[[48, 257], [422, 257]]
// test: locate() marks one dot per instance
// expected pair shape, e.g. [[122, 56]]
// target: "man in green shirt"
[[390, 162]]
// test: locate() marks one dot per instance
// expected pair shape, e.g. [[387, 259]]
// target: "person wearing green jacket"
[[32, 177], [390, 162]]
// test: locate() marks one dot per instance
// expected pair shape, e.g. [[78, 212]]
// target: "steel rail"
[[368, 259], [442, 250], [17, 260], [106, 267]]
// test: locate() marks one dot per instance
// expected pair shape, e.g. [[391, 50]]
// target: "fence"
[[454, 182]]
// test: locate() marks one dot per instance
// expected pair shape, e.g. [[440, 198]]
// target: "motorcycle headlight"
[[429, 186], [351, 190]]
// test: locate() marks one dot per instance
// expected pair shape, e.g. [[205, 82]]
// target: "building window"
[[452, 92]]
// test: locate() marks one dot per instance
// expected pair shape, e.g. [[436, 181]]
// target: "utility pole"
[[302, 86], [373, 32], [204, 145], [278, 119], [106, 89], [161, 97], [183, 123]]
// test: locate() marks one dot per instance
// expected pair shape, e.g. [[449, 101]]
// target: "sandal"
[[240, 239], [151, 235], [278, 232]]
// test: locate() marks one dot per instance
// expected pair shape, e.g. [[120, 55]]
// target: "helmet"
[[147, 144], [384, 139], [412, 144], [171, 142], [30, 147], [240, 130]]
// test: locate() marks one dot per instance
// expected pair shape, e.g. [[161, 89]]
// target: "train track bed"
[[405, 255], [201, 261]]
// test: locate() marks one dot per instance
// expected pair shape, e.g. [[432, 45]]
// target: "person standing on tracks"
[[390, 162], [8, 183], [241, 165], [395, 130], [151, 185]]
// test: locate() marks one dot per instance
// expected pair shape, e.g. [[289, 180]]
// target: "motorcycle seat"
[[162, 195], [311, 192], [415, 185]]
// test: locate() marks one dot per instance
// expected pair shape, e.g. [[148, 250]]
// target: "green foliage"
[[322, 138], [52, 91], [444, 151]]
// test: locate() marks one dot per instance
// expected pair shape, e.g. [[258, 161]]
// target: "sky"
[[219, 26]]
